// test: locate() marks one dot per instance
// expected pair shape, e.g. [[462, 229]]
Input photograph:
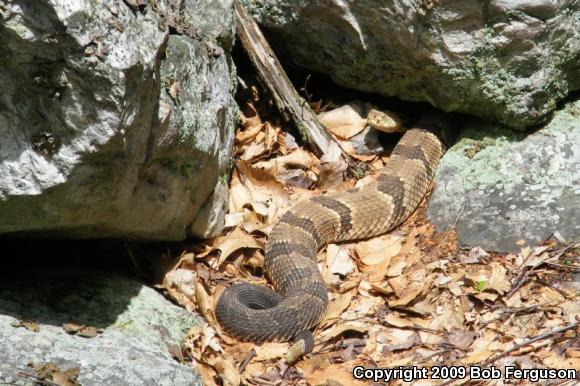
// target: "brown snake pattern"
[[258, 314]]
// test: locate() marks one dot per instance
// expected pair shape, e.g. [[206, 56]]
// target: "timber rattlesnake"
[[258, 314]]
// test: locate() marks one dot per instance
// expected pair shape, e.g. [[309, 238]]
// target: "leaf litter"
[[411, 297]]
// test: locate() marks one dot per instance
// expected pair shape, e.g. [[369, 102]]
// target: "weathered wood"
[[291, 105]]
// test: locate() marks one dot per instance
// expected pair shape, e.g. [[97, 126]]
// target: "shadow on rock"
[[61, 296]]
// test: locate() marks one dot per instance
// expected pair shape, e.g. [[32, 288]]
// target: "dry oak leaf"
[[263, 143], [375, 255], [201, 337], [337, 306], [344, 122], [461, 339], [227, 372], [408, 295], [483, 348], [204, 303], [256, 189], [476, 255], [379, 249], [180, 284], [497, 280], [230, 243], [297, 159], [251, 123], [268, 351], [339, 329], [396, 339]]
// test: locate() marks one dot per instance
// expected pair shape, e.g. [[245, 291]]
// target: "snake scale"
[[259, 314]]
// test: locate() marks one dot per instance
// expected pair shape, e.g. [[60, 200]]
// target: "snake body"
[[299, 302]]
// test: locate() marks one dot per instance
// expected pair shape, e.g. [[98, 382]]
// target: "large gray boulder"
[[116, 121], [138, 330], [508, 60], [499, 187]]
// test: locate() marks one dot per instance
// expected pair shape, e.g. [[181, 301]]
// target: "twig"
[[459, 215], [522, 275], [287, 99], [454, 227], [513, 311], [247, 360], [530, 341], [564, 267], [414, 328], [526, 271], [41, 381], [558, 290], [304, 88], [566, 249]]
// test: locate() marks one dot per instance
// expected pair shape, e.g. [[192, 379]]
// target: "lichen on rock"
[[138, 329], [501, 187], [97, 142], [509, 61]]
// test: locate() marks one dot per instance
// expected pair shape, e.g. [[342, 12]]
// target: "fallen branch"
[[290, 104], [530, 341], [507, 312]]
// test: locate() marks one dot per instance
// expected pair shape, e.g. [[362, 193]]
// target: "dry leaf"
[[204, 303], [337, 306], [251, 123], [180, 284], [384, 290], [259, 191], [398, 284], [344, 122], [483, 348], [263, 143], [396, 321], [498, 281], [330, 375], [408, 295], [30, 325], [477, 357], [51, 372], [227, 372], [337, 262], [475, 256], [175, 90], [396, 267], [80, 330], [297, 159], [230, 243], [342, 328], [379, 249], [375, 255], [397, 339], [268, 351]]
